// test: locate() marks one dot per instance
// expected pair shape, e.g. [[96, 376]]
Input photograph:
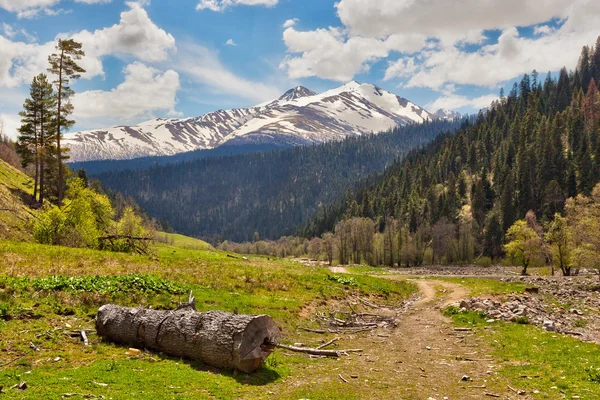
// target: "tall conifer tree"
[[63, 64]]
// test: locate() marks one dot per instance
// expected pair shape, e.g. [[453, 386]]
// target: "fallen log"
[[216, 338]]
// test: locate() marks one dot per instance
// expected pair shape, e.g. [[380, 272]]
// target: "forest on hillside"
[[268, 193], [467, 195]]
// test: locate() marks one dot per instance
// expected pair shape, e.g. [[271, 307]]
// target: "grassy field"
[[544, 364], [182, 241], [483, 286], [46, 292]]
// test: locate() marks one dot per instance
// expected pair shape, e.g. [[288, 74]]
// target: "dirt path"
[[424, 357]]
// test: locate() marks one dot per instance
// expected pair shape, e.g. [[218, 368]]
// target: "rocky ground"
[[561, 304]]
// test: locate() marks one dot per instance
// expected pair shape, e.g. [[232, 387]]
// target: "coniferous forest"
[[270, 193], [532, 150]]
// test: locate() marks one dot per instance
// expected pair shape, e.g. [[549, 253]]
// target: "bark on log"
[[216, 338]]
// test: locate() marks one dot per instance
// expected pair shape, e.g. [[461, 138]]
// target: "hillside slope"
[[298, 117], [15, 214], [532, 150]]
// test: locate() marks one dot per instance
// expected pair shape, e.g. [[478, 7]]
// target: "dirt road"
[[424, 357]]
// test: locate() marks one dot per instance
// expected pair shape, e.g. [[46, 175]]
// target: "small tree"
[[525, 246], [559, 239], [328, 246]]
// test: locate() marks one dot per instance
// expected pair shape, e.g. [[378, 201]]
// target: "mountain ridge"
[[299, 116]]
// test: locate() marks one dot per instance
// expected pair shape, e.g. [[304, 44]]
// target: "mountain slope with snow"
[[299, 116]]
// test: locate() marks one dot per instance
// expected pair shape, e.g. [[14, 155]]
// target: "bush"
[[50, 226], [484, 262], [84, 218]]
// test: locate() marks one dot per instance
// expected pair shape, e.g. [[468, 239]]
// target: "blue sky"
[[163, 58]]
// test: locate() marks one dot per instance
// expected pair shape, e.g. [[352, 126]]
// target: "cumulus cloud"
[[331, 54], [230, 42], [220, 5], [203, 66], [135, 35], [431, 37], [144, 91], [442, 19], [455, 101], [401, 68], [290, 22], [36, 8]]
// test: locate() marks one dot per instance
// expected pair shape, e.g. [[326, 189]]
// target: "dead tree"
[[216, 338]]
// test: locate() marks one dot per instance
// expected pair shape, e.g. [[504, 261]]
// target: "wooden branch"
[[368, 303], [84, 338], [116, 237], [312, 330], [317, 352], [332, 341]]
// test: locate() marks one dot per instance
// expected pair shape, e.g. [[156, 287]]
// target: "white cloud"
[[10, 124], [543, 30], [144, 91], [454, 101], [220, 5], [230, 42], [203, 66], [36, 8], [21, 5], [402, 68], [8, 30], [442, 19], [331, 54], [290, 22], [433, 35], [135, 35]]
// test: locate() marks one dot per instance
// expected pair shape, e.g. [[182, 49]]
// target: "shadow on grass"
[[25, 197], [264, 375]]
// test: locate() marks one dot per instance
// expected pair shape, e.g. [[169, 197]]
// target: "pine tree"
[[36, 135], [63, 65]]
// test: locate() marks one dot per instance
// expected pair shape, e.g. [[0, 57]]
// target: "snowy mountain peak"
[[296, 93], [444, 113], [298, 117]]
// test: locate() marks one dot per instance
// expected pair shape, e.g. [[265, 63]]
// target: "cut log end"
[[217, 338]]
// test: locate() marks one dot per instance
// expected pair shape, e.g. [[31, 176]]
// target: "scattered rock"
[[22, 385], [549, 325], [466, 378]]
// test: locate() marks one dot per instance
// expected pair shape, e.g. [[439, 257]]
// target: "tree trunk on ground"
[[216, 338]]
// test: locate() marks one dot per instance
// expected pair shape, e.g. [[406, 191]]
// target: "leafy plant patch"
[[149, 284], [344, 280]]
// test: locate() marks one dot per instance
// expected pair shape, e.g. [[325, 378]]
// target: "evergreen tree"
[[63, 64], [37, 133]]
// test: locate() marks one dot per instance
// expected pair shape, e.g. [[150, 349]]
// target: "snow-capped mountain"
[[299, 116], [444, 113]]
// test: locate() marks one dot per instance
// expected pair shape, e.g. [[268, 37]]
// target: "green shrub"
[[484, 262], [593, 374], [344, 280]]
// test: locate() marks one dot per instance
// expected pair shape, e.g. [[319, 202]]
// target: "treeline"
[[532, 150], [270, 192]]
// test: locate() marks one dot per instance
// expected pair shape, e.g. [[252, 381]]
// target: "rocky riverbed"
[[559, 304]]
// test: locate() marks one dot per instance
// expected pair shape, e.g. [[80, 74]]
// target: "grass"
[[46, 291], [482, 286], [182, 241], [14, 187], [554, 365]]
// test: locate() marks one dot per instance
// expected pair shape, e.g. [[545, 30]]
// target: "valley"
[[181, 217]]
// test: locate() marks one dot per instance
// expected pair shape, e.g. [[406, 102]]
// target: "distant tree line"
[[269, 192]]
